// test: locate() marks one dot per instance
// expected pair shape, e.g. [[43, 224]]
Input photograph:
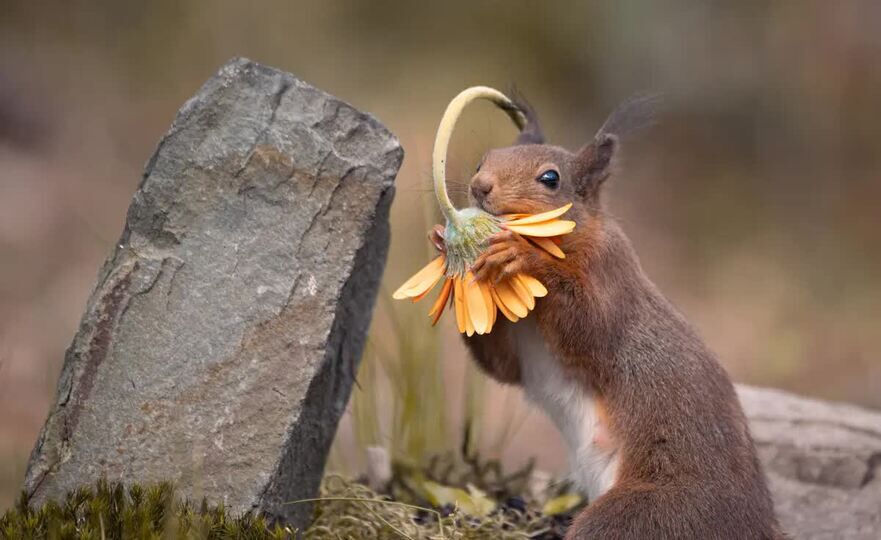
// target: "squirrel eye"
[[550, 178]]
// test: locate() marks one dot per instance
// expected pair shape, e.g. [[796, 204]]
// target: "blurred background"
[[754, 205]]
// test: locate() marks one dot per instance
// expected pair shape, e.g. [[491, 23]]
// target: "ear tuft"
[[595, 160], [637, 113], [531, 133]]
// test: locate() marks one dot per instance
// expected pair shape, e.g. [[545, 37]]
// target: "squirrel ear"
[[595, 163], [531, 133], [595, 160]]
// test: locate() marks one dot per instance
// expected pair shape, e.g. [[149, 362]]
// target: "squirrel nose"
[[481, 186]]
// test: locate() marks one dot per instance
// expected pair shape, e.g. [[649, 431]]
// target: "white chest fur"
[[571, 407]]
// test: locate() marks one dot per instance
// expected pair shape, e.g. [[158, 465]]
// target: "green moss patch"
[[114, 511]]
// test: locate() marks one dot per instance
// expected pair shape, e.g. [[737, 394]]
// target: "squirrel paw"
[[508, 254]]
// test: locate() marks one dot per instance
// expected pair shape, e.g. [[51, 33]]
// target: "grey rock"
[[823, 462], [220, 343]]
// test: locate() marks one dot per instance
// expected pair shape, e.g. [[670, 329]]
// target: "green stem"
[[445, 131]]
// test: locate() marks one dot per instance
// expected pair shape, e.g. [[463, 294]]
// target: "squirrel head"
[[532, 177]]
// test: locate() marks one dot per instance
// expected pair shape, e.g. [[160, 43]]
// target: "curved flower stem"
[[445, 131]]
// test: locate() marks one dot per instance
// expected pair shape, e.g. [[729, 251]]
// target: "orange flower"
[[467, 234], [477, 303]]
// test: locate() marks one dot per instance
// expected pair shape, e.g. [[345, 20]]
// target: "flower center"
[[466, 236]]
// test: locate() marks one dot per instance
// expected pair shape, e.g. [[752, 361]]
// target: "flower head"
[[477, 303], [467, 234]]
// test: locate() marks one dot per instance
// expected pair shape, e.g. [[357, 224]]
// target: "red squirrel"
[[657, 438]]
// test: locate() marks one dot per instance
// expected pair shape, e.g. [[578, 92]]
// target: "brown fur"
[[688, 466]]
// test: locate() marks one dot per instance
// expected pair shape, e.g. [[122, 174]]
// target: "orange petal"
[[522, 293], [438, 308], [469, 324], [452, 303], [489, 303], [544, 216], [511, 300], [424, 294], [512, 217], [547, 228], [459, 303], [493, 308], [502, 307], [534, 286], [548, 245], [423, 280], [477, 308]]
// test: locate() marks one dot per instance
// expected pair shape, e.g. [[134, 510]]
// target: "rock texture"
[[823, 462], [219, 346]]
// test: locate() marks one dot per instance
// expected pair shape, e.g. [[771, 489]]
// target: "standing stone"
[[219, 346]]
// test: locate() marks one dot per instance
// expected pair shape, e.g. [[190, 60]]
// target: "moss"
[[113, 511]]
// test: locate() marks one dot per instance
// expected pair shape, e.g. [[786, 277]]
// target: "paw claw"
[[436, 237]]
